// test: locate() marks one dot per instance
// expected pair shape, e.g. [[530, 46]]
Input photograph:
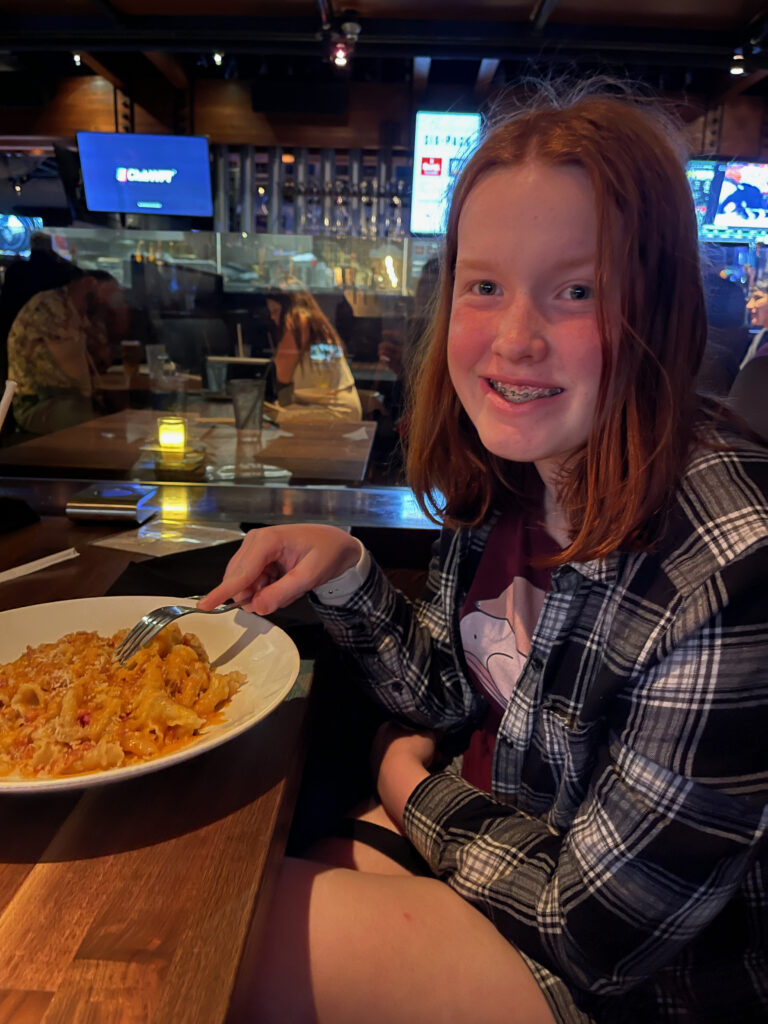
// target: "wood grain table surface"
[[135, 902], [110, 447]]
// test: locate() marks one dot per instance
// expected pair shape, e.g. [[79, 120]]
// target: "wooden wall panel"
[[741, 130], [80, 104], [223, 111]]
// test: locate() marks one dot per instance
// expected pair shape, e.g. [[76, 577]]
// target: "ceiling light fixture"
[[737, 65], [340, 54], [344, 39], [77, 59], [218, 59]]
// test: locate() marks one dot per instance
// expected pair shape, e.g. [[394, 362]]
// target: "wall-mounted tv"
[[153, 174], [442, 144], [731, 197]]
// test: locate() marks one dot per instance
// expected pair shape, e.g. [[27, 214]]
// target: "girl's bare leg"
[[344, 947], [348, 853]]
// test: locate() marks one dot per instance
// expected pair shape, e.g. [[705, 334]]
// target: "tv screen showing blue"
[[165, 174]]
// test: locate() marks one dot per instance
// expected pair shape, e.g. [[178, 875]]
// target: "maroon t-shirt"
[[496, 623]]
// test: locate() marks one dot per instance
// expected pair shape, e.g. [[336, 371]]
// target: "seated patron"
[[757, 307], [59, 342], [313, 378], [727, 334], [24, 278]]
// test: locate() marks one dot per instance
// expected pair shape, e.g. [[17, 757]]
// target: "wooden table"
[[110, 448], [136, 901]]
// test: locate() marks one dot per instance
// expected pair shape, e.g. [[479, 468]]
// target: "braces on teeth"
[[523, 394]]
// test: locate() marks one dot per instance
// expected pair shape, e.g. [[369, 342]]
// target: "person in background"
[[727, 334], [44, 269], [313, 377], [757, 307], [398, 351], [58, 344], [592, 640]]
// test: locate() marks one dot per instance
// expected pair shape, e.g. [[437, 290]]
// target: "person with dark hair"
[[313, 378], [593, 637], [59, 342], [757, 307], [727, 334]]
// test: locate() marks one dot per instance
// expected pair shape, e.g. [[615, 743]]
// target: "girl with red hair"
[[593, 637]]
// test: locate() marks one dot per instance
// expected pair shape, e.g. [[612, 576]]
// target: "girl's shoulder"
[[726, 472], [719, 513]]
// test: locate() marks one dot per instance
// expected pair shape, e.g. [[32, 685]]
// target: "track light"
[[218, 59], [77, 59], [340, 54], [344, 39], [737, 63]]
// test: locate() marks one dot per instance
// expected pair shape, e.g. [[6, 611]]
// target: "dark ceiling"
[[673, 45]]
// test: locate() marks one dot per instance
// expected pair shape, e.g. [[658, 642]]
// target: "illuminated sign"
[[162, 177], [442, 144]]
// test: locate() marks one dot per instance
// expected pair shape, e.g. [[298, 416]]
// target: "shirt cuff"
[[338, 590]]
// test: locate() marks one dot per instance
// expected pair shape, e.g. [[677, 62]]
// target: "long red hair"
[[652, 322]]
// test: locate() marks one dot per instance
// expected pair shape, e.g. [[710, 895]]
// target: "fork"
[[149, 625]]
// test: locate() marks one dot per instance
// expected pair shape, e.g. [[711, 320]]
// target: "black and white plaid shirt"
[[623, 847]]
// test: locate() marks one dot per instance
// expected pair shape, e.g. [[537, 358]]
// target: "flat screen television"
[[15, 233], [442, 144], [730, 197], [151, 174]]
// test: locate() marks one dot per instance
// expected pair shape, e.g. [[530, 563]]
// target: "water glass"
[[216, 375], [156, 359], [248, 403]]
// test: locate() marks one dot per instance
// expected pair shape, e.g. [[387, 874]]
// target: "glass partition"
[[208, 308]]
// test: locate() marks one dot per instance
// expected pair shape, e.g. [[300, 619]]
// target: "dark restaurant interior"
[[302, 196]]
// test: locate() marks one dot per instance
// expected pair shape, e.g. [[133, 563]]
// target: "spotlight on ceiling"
[[77, 59], [737, 62], [344, 39], [340, 54], [218, 59]]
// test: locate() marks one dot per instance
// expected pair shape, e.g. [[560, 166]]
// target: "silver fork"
[[149, 625]]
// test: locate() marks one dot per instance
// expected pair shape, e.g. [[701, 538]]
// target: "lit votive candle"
[[172, 434]]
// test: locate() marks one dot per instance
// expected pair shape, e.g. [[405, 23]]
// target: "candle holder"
[[174, 456]]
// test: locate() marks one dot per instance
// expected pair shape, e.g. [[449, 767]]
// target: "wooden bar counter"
[[134, 901]]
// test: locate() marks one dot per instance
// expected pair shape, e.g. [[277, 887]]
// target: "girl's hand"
[[278, 564], [400, 759]]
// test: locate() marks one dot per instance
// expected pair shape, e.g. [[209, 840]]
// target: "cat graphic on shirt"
[[497, 637]]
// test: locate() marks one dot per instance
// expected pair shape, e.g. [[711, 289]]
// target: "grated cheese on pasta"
[[68, 707]]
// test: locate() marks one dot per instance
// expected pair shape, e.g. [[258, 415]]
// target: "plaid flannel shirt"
[[623, 845]]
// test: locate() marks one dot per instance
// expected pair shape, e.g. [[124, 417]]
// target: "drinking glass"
[[156, 359], [248, 403], [130, 352]]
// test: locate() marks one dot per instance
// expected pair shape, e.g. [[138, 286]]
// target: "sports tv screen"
[[443, 142], [127, 173], [731, 197]]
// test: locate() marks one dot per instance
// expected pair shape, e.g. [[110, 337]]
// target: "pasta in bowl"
[[70, 716]]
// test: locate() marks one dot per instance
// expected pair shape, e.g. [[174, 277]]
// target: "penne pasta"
[[68, 707]]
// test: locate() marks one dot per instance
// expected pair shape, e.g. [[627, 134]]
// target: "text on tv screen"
[[160, 174], [442, 144]]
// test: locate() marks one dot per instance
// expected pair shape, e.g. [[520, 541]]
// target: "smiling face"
[[524, 351], [758, 307]]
